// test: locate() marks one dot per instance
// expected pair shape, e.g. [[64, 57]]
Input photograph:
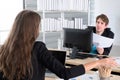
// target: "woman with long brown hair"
[[15, 54], [24, 58]]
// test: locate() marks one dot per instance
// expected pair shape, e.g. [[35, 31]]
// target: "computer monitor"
[[78, 40]]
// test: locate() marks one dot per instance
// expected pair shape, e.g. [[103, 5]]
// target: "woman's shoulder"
[[1, 76], [39, 43]]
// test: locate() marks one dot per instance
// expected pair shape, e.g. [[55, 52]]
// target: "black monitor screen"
[[79, 38]]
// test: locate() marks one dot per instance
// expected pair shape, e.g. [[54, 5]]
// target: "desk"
[[89, 73], [83, 61]]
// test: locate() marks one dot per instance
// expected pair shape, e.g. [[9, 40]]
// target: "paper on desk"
[[117, 60], [101, 41], [86, 77]]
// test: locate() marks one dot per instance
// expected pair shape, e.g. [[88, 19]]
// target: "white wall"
[[8, 11], [112, 9]]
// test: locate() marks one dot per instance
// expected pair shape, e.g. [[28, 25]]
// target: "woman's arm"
[[46, 59]]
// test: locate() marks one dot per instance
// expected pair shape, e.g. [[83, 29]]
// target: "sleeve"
[[107, 50], [55, 66]]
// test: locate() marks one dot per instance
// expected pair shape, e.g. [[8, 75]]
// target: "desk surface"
[[114, 77], [83, 61], [92, 74]]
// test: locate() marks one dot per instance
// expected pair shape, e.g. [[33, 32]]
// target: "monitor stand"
[[74, 53]]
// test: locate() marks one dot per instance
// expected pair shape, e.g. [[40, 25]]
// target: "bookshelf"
[[58, 14]]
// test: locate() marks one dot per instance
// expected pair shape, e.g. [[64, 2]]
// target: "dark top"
[[41, 59], [107, 33]]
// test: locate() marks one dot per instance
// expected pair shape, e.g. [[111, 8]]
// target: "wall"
[[115, 51], [112, 9], [8, 11]]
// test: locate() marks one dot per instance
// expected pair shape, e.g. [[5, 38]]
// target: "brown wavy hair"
[[15, 53]]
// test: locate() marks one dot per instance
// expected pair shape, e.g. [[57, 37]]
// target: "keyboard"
[[82, 55], [85, 55]]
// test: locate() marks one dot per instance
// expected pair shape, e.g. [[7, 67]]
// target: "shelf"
[[63, 5], [59, 14], [59, 11]]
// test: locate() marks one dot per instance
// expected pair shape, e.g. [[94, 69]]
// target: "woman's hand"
[[110, 62]]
